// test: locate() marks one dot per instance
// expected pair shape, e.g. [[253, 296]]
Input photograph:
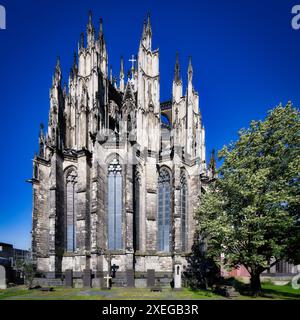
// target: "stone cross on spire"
[[132, 60]]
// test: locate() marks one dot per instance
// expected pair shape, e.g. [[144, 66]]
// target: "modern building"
[[10, 258]]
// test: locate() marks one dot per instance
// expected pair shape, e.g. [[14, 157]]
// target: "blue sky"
[[246, 60]]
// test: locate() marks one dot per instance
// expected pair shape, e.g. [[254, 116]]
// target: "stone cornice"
[[43, 161]]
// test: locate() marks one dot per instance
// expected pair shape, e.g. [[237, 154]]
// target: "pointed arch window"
[[129, 125], [164, 204], [71, 204], [136, 194], [115, 199], [184, 211]]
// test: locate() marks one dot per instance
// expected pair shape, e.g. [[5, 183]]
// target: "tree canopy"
[[250, 214]]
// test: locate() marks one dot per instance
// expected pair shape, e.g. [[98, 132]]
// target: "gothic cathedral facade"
[[118, 174]]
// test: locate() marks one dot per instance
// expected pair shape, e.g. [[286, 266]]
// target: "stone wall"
[[94, 121]]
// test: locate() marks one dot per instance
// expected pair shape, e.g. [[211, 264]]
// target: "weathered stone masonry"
[[118, 173]]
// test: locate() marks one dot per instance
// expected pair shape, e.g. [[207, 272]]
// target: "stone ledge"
[[151, 218], [151, 190], [115, 252], [153, 254], [75, 254]]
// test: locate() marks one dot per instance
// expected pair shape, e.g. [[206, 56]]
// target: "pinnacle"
[[90, 17], [177, 69]]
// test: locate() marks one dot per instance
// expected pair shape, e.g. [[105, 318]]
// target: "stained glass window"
[[163, 218], [136, 193], [115, 207], [71, 199], [184, 211]]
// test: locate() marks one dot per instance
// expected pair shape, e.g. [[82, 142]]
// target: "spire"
[[177, 82], [111, 74], [65, 90], [101, 35], [90, 18], [144, 29], [74, 68], [74, 59], [190, 70], [41, 141], [58, 64], [90, 30], [100, 28], [177, 69], [81, 45], [132, 72], [122, 74], [57, 72], [132, 60], [147, 34], [41, 130], [122, 67], [148, 28]]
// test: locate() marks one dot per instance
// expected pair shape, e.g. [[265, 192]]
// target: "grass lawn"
[[280, 292], [21, 293]]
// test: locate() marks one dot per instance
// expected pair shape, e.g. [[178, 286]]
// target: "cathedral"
[[118, 174]]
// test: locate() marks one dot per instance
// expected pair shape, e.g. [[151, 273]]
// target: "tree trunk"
[[255, 284]]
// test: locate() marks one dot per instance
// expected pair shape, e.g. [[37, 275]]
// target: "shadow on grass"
[[269, 290], [274, 294], [280, 292], [203, 293]]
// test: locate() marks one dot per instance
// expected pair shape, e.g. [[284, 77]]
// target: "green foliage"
[[202, 271], [28, 269], [251, 213]]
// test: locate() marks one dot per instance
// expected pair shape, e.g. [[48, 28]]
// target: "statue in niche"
[[84, 97], [151, 104], [113, 109]]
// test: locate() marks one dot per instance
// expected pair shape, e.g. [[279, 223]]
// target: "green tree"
[[251, 213], [28, 270]]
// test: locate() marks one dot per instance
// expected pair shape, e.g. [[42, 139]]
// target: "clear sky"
[[246, 60]]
